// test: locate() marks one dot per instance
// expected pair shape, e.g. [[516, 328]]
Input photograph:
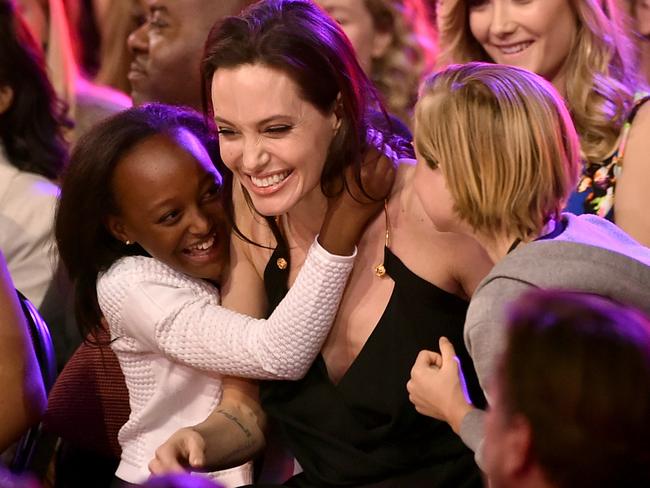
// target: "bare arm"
[[230, 436], [633, 183], [23, 400]]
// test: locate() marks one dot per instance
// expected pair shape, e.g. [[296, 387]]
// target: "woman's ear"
[[337, 113], [116, 228], [6, 98]]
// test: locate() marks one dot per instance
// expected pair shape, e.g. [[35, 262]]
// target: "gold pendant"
[[380, 270], [282, 263]]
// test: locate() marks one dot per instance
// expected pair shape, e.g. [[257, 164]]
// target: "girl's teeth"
[[202, 246]]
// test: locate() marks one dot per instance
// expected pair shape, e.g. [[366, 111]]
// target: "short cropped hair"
[[577, 368], [505, 143]]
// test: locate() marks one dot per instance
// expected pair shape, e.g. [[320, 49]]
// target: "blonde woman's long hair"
[[410, 55], [464, 115], [601, 81]]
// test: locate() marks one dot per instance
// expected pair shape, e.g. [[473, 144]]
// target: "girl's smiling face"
[[166, 190]]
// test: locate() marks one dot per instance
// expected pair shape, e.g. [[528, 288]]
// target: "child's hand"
[[437, 386], [377, 178], [350, 211], [183, 451]]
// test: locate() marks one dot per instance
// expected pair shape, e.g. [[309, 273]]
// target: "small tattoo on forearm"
[[234, 419]]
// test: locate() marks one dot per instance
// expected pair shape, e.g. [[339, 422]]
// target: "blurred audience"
[[395, 43], [88, 103], [167, 49], [571, 400], [32, 155], [640, 12], [100, 35]]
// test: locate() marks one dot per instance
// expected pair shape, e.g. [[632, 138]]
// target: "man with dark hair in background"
[[571, 401], [167, 48]]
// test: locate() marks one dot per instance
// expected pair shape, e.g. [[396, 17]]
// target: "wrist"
[[457, 415]]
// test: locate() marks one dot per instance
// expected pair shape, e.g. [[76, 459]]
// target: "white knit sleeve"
[[216, 339]]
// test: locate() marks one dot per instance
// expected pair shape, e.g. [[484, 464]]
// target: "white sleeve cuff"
[[320, 251]]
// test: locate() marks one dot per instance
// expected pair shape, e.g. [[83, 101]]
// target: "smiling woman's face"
[[274, 142], [536, 35]]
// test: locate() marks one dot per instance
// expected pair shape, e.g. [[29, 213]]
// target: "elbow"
[[290, 375], [35, 400], [293, 375], [21, 410]]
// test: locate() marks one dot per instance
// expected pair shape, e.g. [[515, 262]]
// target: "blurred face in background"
[[358, 24], [167, 49], [35, 14], [641, 13]]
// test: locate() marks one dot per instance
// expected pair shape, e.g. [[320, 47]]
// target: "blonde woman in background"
[[639, 11], [582, 48], [395, 44]]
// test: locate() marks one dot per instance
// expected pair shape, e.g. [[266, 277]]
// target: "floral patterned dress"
[[597, 183]]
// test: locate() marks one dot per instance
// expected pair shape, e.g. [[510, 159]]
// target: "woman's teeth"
[[515, 48], [269, 180]]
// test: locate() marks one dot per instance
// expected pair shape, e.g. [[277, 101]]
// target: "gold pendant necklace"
[[281, 263], [380, 269]]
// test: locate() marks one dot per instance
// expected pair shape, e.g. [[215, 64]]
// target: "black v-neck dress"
[[363, 431]]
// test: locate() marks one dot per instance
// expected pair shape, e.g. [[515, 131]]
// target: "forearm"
[[472, 432], [23, 398], [233, 434], [23, 404], [283, 347]]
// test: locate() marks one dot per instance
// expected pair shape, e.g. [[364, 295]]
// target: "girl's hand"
[[437, 386], [350, 211]]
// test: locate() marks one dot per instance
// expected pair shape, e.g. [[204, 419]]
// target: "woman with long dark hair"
[[32, 155]]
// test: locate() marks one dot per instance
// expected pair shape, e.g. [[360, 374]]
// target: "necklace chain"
[[380, 269]]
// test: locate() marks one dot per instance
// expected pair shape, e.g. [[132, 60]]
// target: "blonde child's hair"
[[504, 142]]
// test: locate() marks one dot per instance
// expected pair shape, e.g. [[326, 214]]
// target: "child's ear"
[[6, 97], [115, 226]]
